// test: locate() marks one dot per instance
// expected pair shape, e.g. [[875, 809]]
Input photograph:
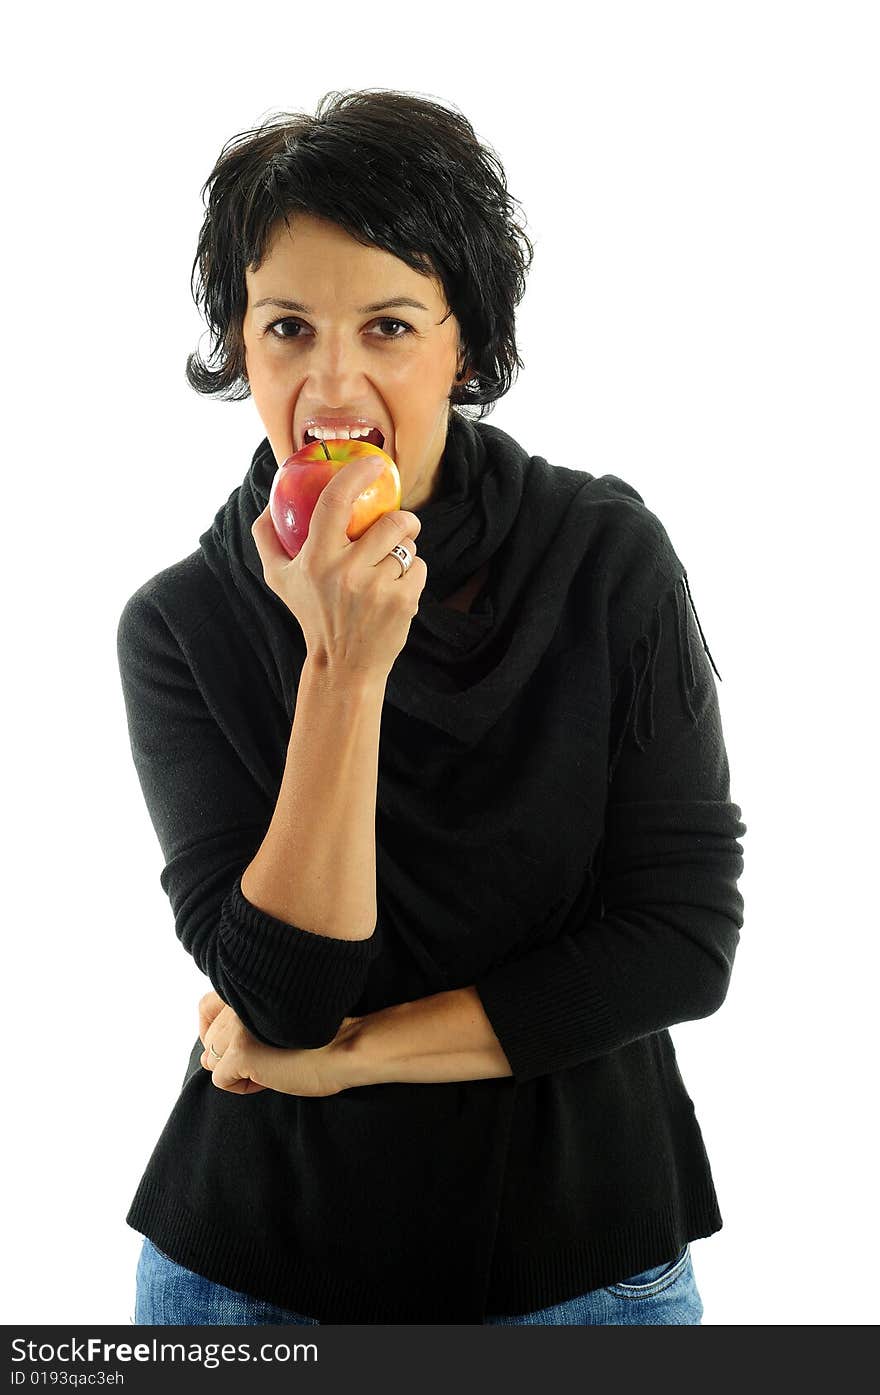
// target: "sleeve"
[[661, 950], [291, 987]]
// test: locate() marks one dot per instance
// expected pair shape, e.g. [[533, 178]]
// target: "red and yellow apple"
[[299, 481]]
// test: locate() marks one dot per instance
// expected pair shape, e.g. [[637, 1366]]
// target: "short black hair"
[[396, 171]]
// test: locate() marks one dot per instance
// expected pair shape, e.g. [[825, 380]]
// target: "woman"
[[445, 811]]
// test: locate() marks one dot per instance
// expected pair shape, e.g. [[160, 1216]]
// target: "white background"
[[701, 318]]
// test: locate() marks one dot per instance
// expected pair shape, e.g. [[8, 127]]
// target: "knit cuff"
[[265, 952], [546, 1012]]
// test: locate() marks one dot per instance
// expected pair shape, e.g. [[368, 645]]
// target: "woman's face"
[[396, 365]]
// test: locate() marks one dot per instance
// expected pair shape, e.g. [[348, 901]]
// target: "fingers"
[[215, 1017], [407, 523], [399, 526], [220, 1028], [216, 1043], [209, 1006], [224, 1072], [231, 1056]]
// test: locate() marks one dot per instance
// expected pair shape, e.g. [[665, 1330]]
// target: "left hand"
[[247, 1065]]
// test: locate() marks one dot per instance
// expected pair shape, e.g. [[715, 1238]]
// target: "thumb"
[[333, 508]]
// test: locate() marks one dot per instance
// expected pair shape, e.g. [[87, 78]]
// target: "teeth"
[[327, 433]]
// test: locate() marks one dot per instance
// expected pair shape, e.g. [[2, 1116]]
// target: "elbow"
[[714, 995], [713, 978], [292, 1000]]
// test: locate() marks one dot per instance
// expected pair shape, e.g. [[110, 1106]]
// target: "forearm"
[[316, 866], [444, 1037]]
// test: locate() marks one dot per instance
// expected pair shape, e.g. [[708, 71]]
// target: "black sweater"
[[553, 825]]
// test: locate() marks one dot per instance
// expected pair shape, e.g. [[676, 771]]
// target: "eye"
[[408, 329], [271, 328], [299, 324]]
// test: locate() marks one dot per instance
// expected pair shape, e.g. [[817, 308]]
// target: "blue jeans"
[[166, 1292]]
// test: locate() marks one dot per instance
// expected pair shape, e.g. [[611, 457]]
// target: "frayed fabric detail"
[[641, 670]]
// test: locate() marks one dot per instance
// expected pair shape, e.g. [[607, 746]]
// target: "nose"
[[337, 363]]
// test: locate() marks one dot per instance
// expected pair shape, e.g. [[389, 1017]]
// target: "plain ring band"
[[403, 557], [218, 1054]]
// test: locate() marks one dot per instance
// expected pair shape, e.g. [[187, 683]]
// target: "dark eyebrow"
[[363, 310]]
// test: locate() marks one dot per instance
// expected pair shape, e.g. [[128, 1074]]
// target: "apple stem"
[[325, 450]]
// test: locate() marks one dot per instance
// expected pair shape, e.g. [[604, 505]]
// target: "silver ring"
[[218, 1054], [403, 557]]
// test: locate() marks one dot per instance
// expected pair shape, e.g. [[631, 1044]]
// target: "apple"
[[300, 479]]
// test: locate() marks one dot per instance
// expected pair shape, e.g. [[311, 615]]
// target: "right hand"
[[352, 603]]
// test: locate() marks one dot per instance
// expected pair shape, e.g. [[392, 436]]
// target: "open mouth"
[[374, 436]]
